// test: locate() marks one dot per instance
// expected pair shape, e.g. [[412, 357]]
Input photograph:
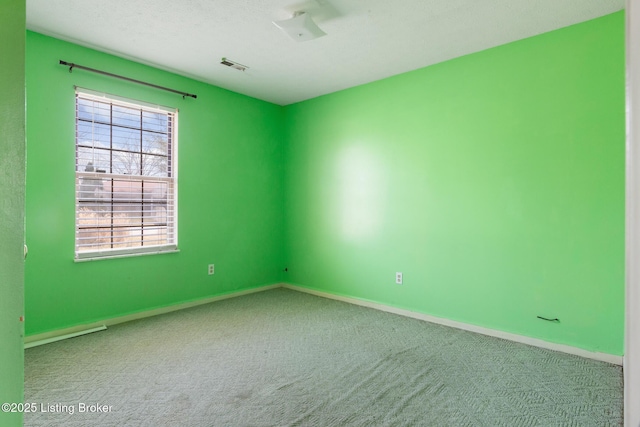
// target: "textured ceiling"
[[366, 40]]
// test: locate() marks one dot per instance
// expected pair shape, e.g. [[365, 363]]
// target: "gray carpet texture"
[[286, 358]]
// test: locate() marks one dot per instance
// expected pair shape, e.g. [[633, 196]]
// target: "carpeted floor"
[[285, 358]]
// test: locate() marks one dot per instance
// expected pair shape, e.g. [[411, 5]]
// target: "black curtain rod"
[[71, 66]]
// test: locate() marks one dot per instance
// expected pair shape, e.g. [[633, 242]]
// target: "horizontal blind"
[[125, 178]]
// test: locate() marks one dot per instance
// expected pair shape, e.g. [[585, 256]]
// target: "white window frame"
[[170, 181]]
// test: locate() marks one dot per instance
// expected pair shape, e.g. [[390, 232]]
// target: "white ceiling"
[[367, 39]]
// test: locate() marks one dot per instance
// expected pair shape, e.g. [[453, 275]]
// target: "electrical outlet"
[[399, 278], [211, 270]]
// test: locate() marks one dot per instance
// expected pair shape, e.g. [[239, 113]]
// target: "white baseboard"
[[603, 357], [58, 337], [59, 334], [46, 337]]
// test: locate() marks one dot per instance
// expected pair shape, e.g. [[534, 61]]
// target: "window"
[[125, 177]]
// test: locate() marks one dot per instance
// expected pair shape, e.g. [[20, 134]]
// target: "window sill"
[[96, 257]]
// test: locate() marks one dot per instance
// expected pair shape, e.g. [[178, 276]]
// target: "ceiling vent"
[[233, 65]]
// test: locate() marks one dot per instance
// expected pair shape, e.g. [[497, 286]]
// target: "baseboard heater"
[[64, 337]]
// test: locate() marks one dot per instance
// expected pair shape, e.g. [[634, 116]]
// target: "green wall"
[[230, 194], [494, 182], [12, 175]]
